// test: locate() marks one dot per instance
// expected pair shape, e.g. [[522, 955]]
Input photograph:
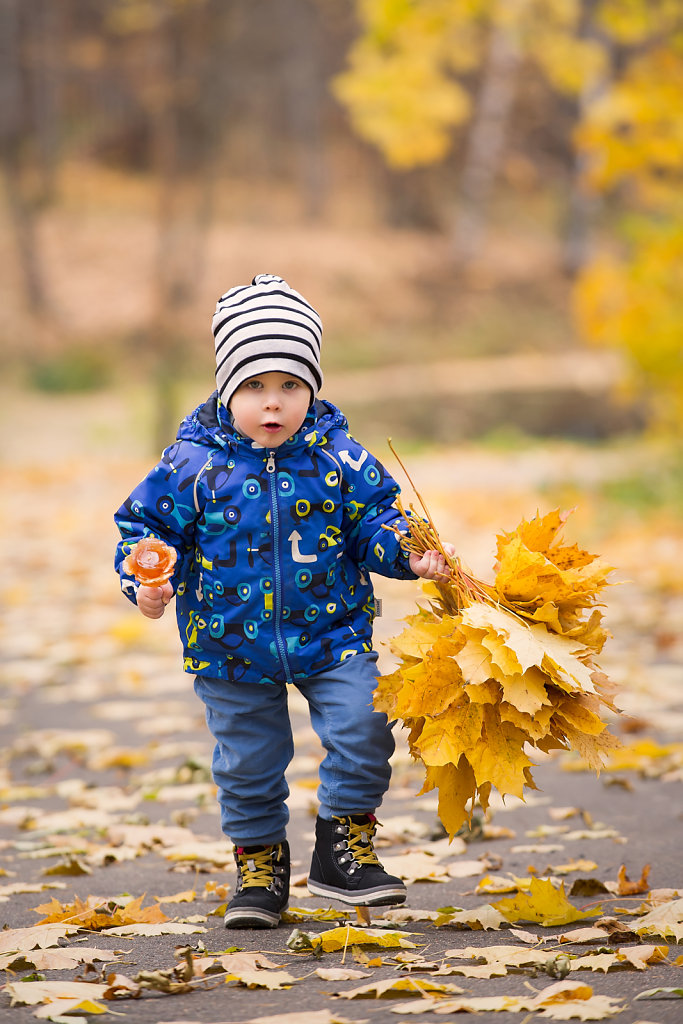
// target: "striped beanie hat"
[[265, 326]]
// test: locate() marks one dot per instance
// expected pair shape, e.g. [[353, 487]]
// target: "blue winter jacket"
[[274, 547]]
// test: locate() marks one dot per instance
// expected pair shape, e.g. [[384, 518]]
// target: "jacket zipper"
[[277, 569]]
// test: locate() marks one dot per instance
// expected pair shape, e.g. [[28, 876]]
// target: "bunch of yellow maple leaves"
[[488, 671]]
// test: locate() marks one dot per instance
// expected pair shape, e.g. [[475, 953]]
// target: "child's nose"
[[271, 399]]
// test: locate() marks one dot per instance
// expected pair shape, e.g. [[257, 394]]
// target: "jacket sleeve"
[[369, 493], [163, 506]]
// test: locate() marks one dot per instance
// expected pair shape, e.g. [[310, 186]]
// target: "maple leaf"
[[664, 920], [498, 757], [339, 938], [95, 913], [628, 888], [61, 997], [421, 634], [457, 786], [41, 936], [391, 986], [440, 684], [544, 904], [485, 918], [153, 928], [55, 959], [442, 740]]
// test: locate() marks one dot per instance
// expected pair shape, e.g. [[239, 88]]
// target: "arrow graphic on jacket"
[[347, 457], [297, 556]]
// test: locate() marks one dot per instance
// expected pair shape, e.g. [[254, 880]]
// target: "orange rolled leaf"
[[151, 562]]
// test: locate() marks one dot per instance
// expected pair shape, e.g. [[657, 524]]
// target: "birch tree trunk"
[[486, 140], [583, 206]]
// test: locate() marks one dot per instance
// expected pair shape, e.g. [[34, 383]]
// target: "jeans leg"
[[355, 774], [250, 723]]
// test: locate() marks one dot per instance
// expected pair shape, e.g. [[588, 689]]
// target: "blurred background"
[[482, 198]]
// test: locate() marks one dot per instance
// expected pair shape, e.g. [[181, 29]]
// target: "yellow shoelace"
[[360, 843], [257, 869]]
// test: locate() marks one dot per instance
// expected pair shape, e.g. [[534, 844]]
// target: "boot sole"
[[251, 917], [369, 898]]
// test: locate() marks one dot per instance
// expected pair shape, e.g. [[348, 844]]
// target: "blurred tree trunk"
[[302, 78], [486, 141], [583, 205], [30, 48], [183, 152]]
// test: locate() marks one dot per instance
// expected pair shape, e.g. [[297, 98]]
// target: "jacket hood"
[[211, 424]]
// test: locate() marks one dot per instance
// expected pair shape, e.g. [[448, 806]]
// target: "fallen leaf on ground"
[[486, 917], [573, 865], [164, 928], [391, 986], [666, 920], [298, 1017], [561, 1001], [416, 867], [294, 914], [56, 959], [60, 997], [403, 915], [628, 888], [661, 993], [339, 938], [544, 904], [95, 913], [340, 974], [188, 896], [41, 936], [19, 887]]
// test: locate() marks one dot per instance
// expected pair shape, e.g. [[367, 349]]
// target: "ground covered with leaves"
[[113, 872]]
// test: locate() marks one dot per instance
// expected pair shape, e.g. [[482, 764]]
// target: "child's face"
[[270, 407]]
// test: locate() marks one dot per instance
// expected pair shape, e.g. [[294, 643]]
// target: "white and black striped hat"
[[264, 326]]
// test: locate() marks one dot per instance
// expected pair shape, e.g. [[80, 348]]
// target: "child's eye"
[[290, 385], [255, 385]]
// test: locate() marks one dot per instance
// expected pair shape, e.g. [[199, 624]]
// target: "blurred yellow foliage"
[[636, 303], [401, 87]]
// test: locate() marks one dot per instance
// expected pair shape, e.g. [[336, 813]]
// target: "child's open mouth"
[[272, 428]]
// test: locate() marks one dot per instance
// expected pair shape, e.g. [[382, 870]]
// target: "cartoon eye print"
[[251, 488], [303, 578], [165, 505], [285, 484]]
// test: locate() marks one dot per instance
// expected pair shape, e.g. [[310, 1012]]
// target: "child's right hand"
[[152, 601]]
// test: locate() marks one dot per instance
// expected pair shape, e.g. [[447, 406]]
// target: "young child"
[[277, 516]]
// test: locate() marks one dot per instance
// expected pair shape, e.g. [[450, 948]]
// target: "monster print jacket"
[[274, 547]]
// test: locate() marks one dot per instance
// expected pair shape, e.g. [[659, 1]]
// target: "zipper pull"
[[270, 464]]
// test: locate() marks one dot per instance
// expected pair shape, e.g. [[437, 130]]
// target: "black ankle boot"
[[262, 890], [345, 865]]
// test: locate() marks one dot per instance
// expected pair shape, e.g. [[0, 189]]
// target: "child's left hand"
[[431, 565]]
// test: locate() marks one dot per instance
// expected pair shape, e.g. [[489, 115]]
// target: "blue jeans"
[[251, 726]]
